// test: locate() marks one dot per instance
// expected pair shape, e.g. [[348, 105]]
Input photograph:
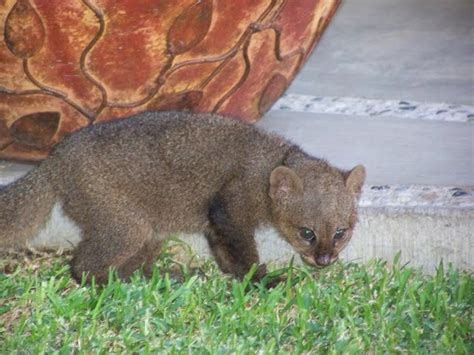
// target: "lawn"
[[346, 308]]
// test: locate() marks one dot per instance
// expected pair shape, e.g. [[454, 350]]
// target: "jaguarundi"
[[128, 184]]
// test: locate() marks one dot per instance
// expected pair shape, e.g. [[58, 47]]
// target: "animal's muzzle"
[[323, 259]]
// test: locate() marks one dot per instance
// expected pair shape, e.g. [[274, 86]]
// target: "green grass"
[[346, 308]]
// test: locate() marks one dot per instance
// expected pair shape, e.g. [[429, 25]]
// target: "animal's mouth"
[[311, 261]]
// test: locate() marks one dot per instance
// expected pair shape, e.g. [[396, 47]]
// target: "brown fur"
[[130, 183]]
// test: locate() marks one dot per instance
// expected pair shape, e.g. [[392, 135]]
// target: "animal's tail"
[[24, 206]]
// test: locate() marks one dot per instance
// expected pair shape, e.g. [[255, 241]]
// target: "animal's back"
[[169, 164], [181, 140]]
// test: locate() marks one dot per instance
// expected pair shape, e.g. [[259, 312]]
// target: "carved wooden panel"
[[69, 64]]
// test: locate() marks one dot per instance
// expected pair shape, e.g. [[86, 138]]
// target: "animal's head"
[[314, 207]]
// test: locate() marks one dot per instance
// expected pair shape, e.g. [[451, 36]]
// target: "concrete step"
[[426, 225], [394, 92], [419, 198]]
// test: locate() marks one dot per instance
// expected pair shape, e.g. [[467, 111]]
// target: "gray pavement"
[[394, 151], [406, 49]]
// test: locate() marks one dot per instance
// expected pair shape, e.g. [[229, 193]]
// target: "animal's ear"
[[354, 179], [284, 183]]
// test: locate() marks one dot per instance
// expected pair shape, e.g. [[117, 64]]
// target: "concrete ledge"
[[425, 233], [424, 237]]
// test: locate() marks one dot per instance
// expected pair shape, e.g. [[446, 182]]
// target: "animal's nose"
[[323, 259]]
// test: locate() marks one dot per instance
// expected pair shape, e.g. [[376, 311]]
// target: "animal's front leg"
[[233, 257], [232, 242]]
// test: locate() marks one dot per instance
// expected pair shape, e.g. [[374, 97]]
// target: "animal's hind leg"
[[114, 241]]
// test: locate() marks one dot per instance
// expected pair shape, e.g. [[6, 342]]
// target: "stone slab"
[[394, 150]]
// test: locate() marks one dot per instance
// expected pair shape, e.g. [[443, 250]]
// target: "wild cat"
[[129, 183]]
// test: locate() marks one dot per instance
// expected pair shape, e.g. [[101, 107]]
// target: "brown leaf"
[[24, 31], [190, 27], [36, 129]]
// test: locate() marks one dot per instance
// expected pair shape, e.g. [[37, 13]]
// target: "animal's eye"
[[307, 234], [339, 233]]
